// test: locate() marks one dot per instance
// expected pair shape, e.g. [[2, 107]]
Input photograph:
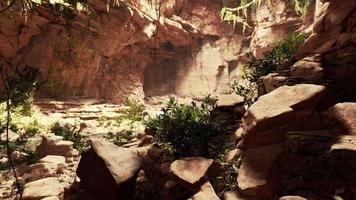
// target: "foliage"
[[134, 111], [189, 130], [120, 138], [129, 114], [20, 88], [20, 145], [255, 68], [227, 180], [239, 14], [71, 134]]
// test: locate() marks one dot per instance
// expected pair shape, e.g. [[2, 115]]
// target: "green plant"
[[239, 14], [134, 111], [71, 134], [189, 130], [120, 138], [227, 180], [255, 68]]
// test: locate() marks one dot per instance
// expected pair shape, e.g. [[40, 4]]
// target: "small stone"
[[17, 155]]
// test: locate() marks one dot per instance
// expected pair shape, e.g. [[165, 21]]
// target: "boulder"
[[278, 107], [54, 145], [191, 169], [206, 192], [12, 137], [108, 172], [256, 174], [42, 170], [272, 81], [43, 188], [292, 198], [230, 100], [344, 114], [308, 70]]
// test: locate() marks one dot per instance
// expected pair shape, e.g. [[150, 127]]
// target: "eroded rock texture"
[[130, 52]]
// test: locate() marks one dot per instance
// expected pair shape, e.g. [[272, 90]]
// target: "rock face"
[[194, 52], [108, 172], [44, 188]]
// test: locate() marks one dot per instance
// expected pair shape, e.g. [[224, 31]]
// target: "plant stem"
[[8, 119]]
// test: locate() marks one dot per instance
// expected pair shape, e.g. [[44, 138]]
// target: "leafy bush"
[[134, 111], [255, 68], [72, 134], [189, 130], [120, 138]]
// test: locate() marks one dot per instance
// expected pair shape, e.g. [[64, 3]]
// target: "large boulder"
[[43, 188], [191, 169], [285, 109], [256, 176], [344, 115], [108, 172]]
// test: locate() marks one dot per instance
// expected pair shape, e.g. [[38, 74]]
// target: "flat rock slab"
[[277, 107], [47, 187], [230, 100], [191, 169], [345, 115], [108, 172], [256, 167], [59, 160]]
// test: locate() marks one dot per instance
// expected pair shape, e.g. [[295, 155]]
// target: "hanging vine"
[[240, 14]]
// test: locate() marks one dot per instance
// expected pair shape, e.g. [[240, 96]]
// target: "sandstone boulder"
[[279, 106], [272, 81], [43, 188], [191, 169], [344, 114], [206, 192], [230, 100], [308, 70], [54, 145], [255, 176], [42, 170], [108, 172]]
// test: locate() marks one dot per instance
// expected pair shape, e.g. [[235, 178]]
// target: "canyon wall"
[[135, 51]]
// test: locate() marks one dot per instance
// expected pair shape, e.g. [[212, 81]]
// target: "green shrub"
[[134, 111], [189, 130], [281, 54], [73, 135], [120, 138]]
